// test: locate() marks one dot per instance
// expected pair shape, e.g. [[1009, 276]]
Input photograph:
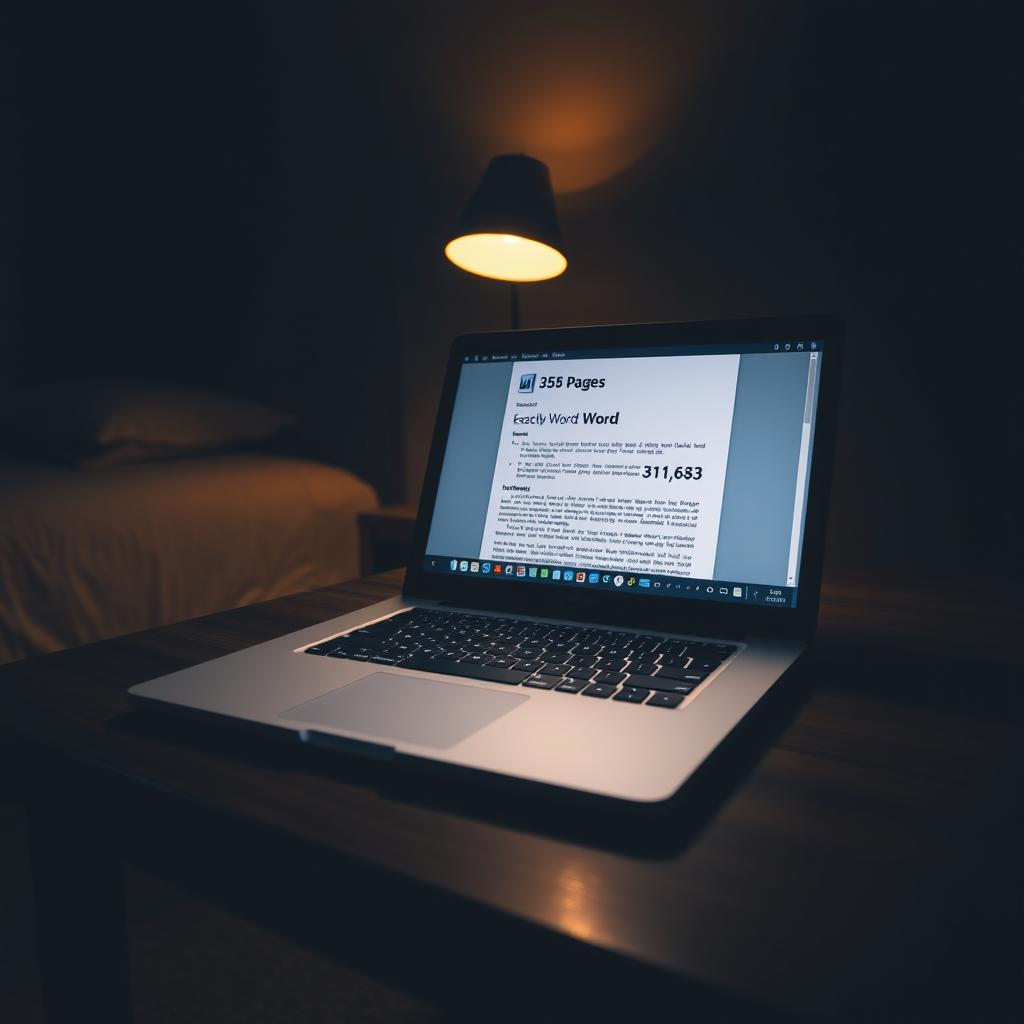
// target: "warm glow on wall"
[[505, 257], [590, 94]]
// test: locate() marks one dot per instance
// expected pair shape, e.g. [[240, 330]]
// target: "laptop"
[[617, 555]]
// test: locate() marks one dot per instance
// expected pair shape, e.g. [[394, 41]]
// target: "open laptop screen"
[[671, 471]]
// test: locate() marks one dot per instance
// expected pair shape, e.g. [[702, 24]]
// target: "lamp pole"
[[513, 305]]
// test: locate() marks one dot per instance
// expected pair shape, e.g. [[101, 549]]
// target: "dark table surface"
[[855, 855]]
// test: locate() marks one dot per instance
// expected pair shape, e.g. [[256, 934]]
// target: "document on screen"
[[613, 464]]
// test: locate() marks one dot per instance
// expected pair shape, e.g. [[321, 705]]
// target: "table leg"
[[80, 914]]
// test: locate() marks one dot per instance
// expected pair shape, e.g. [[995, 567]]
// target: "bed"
[[90, 553]]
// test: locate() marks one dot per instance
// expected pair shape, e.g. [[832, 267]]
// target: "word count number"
[[679, 473]]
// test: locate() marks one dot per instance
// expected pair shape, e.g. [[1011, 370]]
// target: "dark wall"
[[259, 195], [197, 204]]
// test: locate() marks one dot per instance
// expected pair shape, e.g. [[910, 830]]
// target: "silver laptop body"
[[656, 491]]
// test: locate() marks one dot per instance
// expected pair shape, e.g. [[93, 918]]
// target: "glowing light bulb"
[[505, 257]]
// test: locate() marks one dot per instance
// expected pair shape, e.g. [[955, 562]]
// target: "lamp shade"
[[509, 230]]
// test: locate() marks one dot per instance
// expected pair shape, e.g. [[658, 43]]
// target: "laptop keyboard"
[[605, 664]]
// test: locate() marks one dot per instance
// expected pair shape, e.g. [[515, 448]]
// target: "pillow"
[[107, 423]]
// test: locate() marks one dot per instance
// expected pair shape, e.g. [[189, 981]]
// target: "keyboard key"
[[674, 672], [659, 683], [665, 700], [581, 673], [599, 690], [570, 685], [673, 648], [341, 652], [510, 677], [704, 664], [405, 649], [555, 670], [502, 663], [383, 659], [722, 649], [381, 629], [365, 643], [378, 629], [650, 650], [561, 647], [647, 643], [643, 668], [542, 682], [632, 695], [523, 666], [612, 678]]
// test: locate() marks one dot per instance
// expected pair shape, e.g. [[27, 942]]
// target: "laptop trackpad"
[[429, 712]]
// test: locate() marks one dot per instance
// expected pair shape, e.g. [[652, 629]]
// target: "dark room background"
[[256, 197]]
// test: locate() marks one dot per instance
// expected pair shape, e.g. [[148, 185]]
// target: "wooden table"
[[853, 857]]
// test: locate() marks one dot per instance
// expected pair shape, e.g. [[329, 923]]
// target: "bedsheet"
[[89, 554]]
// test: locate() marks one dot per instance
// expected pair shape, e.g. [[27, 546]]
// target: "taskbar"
[[761, 594]]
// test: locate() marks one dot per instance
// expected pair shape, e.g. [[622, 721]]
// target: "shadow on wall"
[[194, 192]]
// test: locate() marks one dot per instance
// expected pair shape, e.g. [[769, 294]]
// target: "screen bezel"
[[640, 610]]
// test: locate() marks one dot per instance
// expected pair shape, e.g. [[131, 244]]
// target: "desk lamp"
[[509, 229]]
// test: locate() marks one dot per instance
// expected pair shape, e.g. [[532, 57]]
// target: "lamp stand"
[[513, 305]]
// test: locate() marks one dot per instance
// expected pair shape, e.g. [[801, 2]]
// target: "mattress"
[[90, 554]]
